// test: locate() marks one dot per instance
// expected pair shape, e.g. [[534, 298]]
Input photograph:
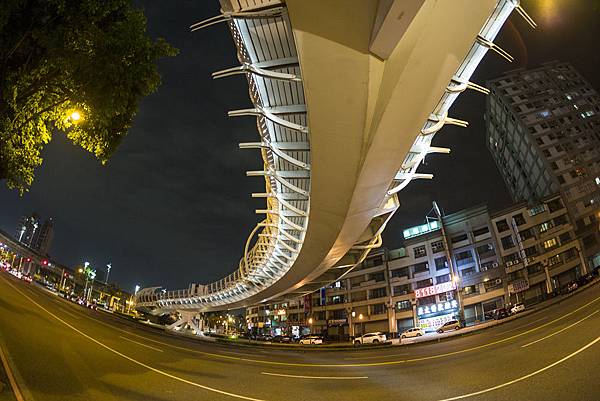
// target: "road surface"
[[61, 351]]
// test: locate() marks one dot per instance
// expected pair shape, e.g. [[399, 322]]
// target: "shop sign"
[[432, 323], [439, 307], [435, 289], [518, 285], [336, 322], [281, 312], [307, 303]]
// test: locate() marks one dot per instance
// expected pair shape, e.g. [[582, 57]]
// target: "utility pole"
[[453, 275]]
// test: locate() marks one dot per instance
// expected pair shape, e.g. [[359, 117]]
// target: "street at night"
[[64, 351], [299, 200]]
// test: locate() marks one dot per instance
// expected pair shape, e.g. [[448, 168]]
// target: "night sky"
[[173, 205]]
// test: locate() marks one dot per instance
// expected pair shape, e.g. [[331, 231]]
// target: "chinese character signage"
[[518, 285], [435, 289], [435, 308]]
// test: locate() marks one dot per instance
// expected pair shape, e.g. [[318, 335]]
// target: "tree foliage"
[[61, 56]]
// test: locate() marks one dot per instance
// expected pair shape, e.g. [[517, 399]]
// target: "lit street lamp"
[[108, 267]]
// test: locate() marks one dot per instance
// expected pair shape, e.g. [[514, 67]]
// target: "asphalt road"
[[61, 351]]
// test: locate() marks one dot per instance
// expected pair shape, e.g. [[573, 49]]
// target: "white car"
[[449, 326], [414, 332], [311, 340], [518, 307], [371, 338]]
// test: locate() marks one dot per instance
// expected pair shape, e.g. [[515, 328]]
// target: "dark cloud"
[[173, 205]]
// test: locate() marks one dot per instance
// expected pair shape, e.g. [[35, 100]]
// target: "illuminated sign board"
[[435, 289], [432, 323], [435, 308], [518, 285]]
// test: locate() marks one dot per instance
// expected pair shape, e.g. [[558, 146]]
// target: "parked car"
[[311, 340], [518, 307], [27, 278], [501, 313], [572, 286], [414, 332], [371, 338], [282, 339], [449, 326]]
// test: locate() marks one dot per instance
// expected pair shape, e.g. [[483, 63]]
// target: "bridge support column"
[[187, 319]]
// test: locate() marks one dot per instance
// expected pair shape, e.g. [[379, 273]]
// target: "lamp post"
[[362, 326], [108, 267]]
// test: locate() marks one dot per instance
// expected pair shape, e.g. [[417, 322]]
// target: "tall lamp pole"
[[108, 267]]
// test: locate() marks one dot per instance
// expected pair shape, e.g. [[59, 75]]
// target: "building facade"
[[43, 239], [539, 249], [543, 130], [393, 290]]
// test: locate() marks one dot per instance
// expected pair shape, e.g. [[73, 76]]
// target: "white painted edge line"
[[487, 390], [11, 377], [135, 361], [142, 344], [561, 330], [316, 377]]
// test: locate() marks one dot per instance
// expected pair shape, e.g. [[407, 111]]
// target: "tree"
[[64, 59]]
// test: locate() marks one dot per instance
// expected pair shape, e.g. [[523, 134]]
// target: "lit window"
[[551, 243], [544, 114]]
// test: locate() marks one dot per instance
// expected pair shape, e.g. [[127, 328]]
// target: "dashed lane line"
[[520, 327], [142, 344], [315, 377]]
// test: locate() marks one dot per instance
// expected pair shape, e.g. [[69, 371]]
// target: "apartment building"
[[543, 130], [539, 248], [393, 290]]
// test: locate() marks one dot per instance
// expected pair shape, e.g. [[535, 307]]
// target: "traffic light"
[[45, 262], [28, 260]]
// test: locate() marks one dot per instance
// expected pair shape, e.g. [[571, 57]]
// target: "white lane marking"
[[561, 330], [375, 357], [520, 327], [161, 372], [316, 377], [487, 390], [11, 378], [142, 344]]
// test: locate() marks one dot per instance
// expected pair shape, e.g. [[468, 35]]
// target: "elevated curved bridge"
[[348, 95]]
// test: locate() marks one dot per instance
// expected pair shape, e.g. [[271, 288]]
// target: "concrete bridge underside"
[[376, 80]]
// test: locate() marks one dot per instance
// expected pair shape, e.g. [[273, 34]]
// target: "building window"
[[467, 272], [459, 238], [441, 263], [470, 290], [442, 279], [379, 276], [485, 251], [378, 293], [545, 226], [464, 258], [481, 231], [437, 246], [589, 241], [537, 210], [519, 219], [338, 314], [554, 205], [402, 289], [501, 225], [536, 268], [565, 237], [530, 251], [427, 300], [551, 243], [403, 305], [560, 220], [421, 267], [378, 309], [526, 234], [402, 272], [424, 283], [507, 242], [420, 251]]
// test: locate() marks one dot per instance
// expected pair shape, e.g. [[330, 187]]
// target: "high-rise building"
[[27, 229], [543, 130], [43, 238]]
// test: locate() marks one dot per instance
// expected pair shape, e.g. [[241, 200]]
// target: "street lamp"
[[362, 325], [108, 267]]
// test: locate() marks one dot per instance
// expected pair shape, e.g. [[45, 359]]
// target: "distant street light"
[[137, 288], [75, 116], [108, 267]]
